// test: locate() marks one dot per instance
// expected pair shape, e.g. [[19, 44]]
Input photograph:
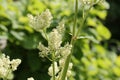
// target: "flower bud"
[[41, 21]]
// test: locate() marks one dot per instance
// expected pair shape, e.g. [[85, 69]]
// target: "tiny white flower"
[[61, 28], [50, 70], [86, 2], [3, 72], [44, 50], [70, 65], [69, 73], [31, 78], [61, 62], [15, 63], [66, 50], [55, 40], [56, 78], [41, 47], [5, 60]]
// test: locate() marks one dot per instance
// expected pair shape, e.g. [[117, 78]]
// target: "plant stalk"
[[67, 61], [83, 21], [75, 17], [64, 71], [53, 65]]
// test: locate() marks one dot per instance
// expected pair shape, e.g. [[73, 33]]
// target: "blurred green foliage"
[[92, 59]]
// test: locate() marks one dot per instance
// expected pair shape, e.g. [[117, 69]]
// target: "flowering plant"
[[58, 54]]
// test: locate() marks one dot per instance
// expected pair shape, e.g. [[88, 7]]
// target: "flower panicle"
[[61, 27], [90, 2], [7, 66], [42, 21], [43, 50], [54, 51], [55, 40]]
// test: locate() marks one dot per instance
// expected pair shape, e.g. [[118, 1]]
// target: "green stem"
[[64, 71], [75, 17], [83, 21], [53, 65], [45, 34], [67, 61]]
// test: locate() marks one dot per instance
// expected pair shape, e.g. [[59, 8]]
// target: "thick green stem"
[[53, 65], [64, 71], [67, 61], [46, 36], [74, 36], [75, 17]]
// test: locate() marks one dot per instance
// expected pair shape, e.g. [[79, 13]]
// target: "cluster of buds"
[[88, 3], [54, 45], [54, 39], [58, 70], [7, 66], [41, 21]]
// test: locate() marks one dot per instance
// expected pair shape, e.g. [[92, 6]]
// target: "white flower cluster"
[[7, 66], [41, 21], [90, 2], [50, 70], [54, 44], [66, 50], [61, 27], [58, 70], [87, 4], [31, 78], [44, 50], [55, 40], [54, 47]]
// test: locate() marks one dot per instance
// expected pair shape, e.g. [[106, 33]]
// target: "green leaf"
[[100, 13], [18, 35], [89, 38], [116, 71], [92, 22], [103, 32], [3, 36], [3, 27]]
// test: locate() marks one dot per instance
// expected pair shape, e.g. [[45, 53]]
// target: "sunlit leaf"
[[103, 32]]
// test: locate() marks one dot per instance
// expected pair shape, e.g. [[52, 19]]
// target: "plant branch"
[[83, 21], [45, 34], [75, 17], [53, 65], [67, 61]]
